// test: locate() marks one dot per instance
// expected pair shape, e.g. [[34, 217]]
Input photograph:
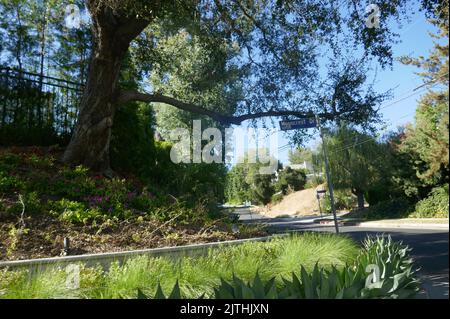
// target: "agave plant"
[[396, 273], [322, 284], [175, 294], [238, 289], [382, 270]]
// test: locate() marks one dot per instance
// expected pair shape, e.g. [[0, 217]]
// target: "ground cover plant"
[[43, 201]]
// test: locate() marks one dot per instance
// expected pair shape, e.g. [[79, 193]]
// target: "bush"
[[276, 198], [377, 194], [314, 181], [262, 189], [291, 179], [73, 212], [343, 200], [193, 182], [394, 269], [10, 183], [392, 208], [9, 162], [237, 190], [132, 144], [434, 206], [31, 205]]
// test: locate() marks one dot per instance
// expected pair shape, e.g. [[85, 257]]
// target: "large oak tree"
[[296, 59]]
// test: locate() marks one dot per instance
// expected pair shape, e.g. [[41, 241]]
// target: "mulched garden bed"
[[44, 237]]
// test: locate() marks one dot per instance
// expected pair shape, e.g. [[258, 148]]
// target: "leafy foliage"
[[435, 205], [247, 182], [392, 208], [343, 200], [355, 160], [426, 143], [291, 179], [262, 188], [77, 196], [396, 268], [132, 147], [300, 155]]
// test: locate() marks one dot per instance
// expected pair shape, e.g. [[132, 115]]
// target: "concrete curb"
[[105, 259], [404, 225], [381, 224]]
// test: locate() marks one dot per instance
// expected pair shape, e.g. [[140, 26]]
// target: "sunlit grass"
[[197, 275]]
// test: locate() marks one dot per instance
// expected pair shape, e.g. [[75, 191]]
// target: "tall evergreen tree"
[[427, 141]]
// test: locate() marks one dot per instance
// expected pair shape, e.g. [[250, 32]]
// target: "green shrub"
[[314, 181], [377, 194], [10, 279], [9, 162], [343, 200], [237, 189], [262, 188], [392, 208], [393, 276], [41, 162], [276, 198], [73, 212], [71, 173], [31, 204], [132, 144], [10, 183], [290, 179], [436, 205]]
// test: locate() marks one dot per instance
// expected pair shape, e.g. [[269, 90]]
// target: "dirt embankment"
[[301, 203]]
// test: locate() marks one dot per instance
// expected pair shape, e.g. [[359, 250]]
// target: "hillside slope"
[[301, 203]]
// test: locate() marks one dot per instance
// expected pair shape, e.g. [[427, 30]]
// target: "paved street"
[[430, 247]]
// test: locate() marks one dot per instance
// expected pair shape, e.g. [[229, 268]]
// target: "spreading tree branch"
[[135, 96]]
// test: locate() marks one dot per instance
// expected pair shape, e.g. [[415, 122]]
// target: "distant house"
[[305, 165]]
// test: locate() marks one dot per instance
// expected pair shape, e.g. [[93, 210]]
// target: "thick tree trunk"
[[90, 141], [360, 196]]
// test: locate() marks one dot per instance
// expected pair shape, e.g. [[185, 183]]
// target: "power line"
[[412, 94], [415, 92], [349, 146], [406, 115]]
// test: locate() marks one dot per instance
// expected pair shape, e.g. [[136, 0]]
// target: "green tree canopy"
[[292, 179], [427, 141], [300, 155], [356, 161]]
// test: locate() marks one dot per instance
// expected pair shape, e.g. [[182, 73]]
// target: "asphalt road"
[[429, 247]]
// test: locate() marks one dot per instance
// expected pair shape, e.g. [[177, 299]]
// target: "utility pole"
[[327, 170]]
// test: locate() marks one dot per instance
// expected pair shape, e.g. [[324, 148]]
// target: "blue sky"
[[402, 79]]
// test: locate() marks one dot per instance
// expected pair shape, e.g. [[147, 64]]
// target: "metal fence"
[[36, 109]]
